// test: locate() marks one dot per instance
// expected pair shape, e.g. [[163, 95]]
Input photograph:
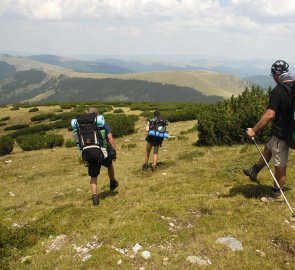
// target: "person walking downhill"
[[98, 148], [278, 111], [157, 124]]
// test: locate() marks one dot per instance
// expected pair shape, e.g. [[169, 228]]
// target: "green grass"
[[201, 190]]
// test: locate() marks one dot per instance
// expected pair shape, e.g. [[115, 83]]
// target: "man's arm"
[[264, 120], [147, 127], [111, 140]]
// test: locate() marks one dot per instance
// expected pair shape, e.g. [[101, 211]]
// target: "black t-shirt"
[[280, 103]]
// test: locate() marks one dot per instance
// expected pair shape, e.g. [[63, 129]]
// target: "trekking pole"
[[274, 178]]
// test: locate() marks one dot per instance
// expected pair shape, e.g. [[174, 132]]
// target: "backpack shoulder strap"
[[291, 92]]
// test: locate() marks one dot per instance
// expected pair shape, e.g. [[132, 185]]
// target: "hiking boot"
[[275, 196], [154, 167], [113, 184], [95, 199], [252, 172], [145, 167]]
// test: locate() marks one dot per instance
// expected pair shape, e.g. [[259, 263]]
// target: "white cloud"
[[139, 24], [268, 8]]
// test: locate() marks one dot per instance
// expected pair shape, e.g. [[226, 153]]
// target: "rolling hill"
[[194, 85]]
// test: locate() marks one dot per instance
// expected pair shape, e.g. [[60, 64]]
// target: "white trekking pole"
[[274, 178]]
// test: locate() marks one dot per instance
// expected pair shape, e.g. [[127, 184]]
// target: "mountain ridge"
[[205, 82]]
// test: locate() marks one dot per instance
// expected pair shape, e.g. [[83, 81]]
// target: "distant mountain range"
[[263, 81], [125, 66], [51, 77], [38, 86]]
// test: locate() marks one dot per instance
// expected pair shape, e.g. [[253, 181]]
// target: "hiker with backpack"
[[97, 147], [280, 111], [156, 128]]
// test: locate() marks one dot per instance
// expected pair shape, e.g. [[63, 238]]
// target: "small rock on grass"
[[198, 260]]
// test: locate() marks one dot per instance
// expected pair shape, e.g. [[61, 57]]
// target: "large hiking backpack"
[[90, 139], [157, 130], [291, 129], [157, 124]]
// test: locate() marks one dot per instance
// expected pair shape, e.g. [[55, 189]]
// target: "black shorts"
[[94, 168], [93, 157], [154, 141]]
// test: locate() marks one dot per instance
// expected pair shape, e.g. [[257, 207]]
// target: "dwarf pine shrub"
[[31, 142], [53, 140], [118, 111], [41, 117], [38, 141], [6, 145], [70, 143], [35, 109], [15, 127], [121, 124], [5, 118], [225, 123]]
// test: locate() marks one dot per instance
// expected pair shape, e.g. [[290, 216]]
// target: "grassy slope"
[[207, 82], [200, 190]]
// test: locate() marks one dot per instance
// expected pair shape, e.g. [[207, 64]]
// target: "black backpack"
[[158, 124], [90, 138], [291, 129]]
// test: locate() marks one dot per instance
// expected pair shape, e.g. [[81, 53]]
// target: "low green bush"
[[31, 142], [38, 141], [41, 117], [176, 115], [35, 109], [68, 105], [182, 138], [6, 145], [130, 145], [29, 130], [53, 140], [121, 124], [70, 143], [5, 118], [118, 111], [15, 127]]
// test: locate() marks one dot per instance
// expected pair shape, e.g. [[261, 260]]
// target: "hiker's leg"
[[147, 153], [111, 172], [267, 153], [280, 158], [280, 174], [93, 185], [93, 172], [155, 159]]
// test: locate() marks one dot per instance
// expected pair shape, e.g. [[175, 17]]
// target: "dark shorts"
[[94, 168], [94, 159], [154, 141]]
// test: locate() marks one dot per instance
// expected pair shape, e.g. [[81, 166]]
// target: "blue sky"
[[229, 29]]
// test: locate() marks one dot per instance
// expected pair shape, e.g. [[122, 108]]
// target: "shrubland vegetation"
[[221, 123]]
